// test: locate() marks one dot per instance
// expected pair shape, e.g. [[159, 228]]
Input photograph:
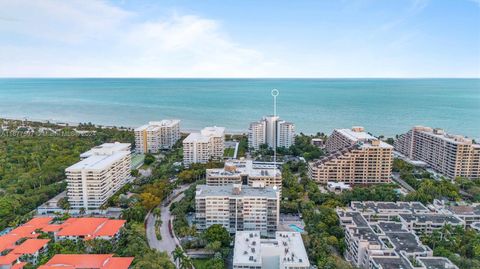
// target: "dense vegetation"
[[32, 167]]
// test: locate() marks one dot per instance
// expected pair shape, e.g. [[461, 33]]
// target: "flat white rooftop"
[[106, 149], [245, 167], [285, 250], [98, 162], [156, 125], [227, 191], [213, 131], [196, 138]]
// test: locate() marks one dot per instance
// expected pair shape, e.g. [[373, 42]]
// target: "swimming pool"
[[296, 228]]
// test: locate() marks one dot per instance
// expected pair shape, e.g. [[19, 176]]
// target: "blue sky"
[[243, 38]]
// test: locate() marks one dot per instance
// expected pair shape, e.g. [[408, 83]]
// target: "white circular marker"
[[275, 92]]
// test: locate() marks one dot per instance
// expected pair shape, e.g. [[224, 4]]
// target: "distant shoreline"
[[76, 124]]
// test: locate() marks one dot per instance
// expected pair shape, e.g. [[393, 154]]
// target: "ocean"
[[383, 106]]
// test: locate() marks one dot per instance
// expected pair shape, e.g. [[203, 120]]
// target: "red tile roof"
[[90, 227], [8, 241], [27, 230], [30, 246], [8, 259], [93, 261]]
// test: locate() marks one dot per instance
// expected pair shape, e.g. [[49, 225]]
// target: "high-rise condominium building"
[[245, 172], [102, 171], [452, 155], [203, 146], [286, 250], [354, 157], [271, 131], [157, 135], [238, 208]]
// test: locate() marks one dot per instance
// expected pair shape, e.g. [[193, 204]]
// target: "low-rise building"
[[245, 172], [86, 229], [354, 157], [338, 187], [468, 213], [157, 135], [238, 208], [384, 235], [102, 171], [451, 155], [204, 146], [286, 250], [91, 261]]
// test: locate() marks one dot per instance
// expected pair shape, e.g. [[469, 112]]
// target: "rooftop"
[[440, 133], [287, 248], [392, 262], [196, 138], [228, 190], [213, 131], [30, 246], [92, 261], [106, 149], [98, 162], [437, 263], [245, 167], [156, 125], [90, 227], [357, 134]]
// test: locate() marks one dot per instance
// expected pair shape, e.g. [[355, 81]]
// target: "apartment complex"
[[238, 208], [102, 171], [245, 172], [157, 135], [354, 157], [203, 146], [379, 235], [271, 131], [468, 213], [286, 251], [452, 155]]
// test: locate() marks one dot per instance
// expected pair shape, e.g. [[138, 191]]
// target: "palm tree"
[[178, 255], [186, 262]]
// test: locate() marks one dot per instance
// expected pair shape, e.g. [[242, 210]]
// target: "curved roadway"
[[167, 243]]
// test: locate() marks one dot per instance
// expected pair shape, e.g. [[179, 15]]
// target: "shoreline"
[[76, 124]]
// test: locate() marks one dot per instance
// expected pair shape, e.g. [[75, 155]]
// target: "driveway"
[[167, 243]]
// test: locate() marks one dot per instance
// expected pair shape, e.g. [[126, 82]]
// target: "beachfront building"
[[157, 135], [451, 155], [377, 236], [246, 172], [286, 250], [102, 171], [271, 131], [238, 208], [204, 146], [93, 261], [354, 157]]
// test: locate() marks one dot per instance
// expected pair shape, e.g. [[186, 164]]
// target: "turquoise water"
[[296, 228], [382, 106]]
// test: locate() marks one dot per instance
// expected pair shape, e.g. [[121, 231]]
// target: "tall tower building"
[[271, 131]]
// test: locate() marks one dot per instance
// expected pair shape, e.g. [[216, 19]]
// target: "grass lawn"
[[229, 152], [200, 263]]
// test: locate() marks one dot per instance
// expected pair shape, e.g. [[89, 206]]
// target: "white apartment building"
[[157, 135], [271, 131], [245, 172], [354, 157], [203, 146], [384, 241], [451, 155], [238, 208], [102, 171], [285, 251]]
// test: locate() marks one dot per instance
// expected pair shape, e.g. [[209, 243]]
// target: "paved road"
[[167, 243], [396, 177]]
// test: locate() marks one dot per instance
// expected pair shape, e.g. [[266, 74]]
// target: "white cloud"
[[92, 38]]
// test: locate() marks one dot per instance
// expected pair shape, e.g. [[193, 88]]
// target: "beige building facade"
[[451, 155]]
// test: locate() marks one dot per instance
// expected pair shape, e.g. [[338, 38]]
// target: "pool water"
[[296, 228]]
